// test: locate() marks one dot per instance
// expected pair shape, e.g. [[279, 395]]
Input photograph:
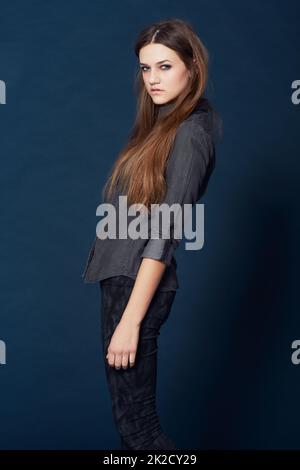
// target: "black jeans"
[[133, 390]]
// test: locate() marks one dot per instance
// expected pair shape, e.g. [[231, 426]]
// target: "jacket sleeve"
[[188, 170]]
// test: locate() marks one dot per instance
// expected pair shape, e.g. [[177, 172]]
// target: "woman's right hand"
[[123, 344]]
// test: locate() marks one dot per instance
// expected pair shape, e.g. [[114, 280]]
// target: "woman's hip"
[[115, 294]]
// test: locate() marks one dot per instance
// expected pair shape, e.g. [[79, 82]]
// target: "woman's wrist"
[[132, 316]]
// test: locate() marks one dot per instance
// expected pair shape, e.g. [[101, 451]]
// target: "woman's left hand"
[[123, 344]]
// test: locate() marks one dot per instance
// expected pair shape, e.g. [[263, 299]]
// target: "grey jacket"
[[188, 169]]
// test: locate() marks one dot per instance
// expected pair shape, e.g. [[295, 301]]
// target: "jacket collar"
[[164, 108], [202, 105]]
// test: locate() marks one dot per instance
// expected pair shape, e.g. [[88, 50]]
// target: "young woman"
[[168, 159]]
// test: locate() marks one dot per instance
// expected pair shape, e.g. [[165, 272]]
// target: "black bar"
[[181, 457]]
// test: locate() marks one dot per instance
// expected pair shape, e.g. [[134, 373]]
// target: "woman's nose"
[[154, 78]]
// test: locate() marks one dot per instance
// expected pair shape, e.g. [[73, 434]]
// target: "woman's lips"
[[156, 91]]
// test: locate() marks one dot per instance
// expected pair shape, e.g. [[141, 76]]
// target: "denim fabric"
[[133, 390]]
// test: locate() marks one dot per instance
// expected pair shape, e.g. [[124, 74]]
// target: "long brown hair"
[[139, 168]]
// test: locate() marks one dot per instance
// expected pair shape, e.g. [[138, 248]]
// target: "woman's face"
[[162, 68]]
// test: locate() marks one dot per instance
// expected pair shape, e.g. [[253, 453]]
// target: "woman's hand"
[[123, 344]]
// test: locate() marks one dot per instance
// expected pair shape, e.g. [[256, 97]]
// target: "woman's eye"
[[164, 65]]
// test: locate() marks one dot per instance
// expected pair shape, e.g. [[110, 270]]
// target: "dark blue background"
[[225, 377]]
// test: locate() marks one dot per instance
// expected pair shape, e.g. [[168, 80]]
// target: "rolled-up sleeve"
[[188, 170]]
